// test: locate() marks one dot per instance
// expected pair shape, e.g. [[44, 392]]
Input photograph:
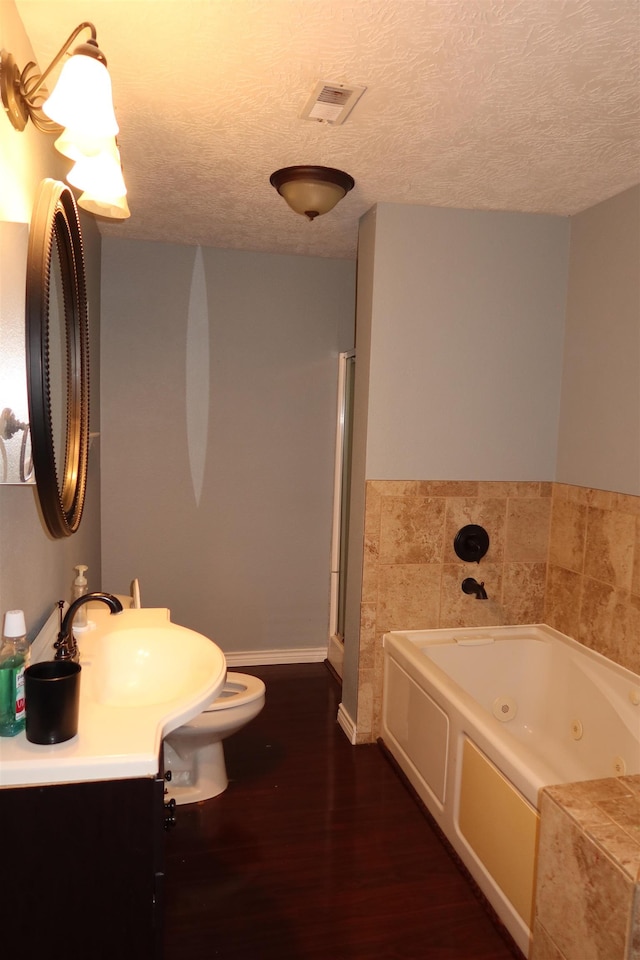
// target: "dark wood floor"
[[316, 851]]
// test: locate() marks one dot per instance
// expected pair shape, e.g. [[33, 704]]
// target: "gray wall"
[[599, 437], [36, 571], [466, 344], [247, 565]]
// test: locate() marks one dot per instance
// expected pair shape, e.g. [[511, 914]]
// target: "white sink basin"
[[142, 677], [141, 666]]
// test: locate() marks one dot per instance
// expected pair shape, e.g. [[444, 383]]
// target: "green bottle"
[[14, 656]]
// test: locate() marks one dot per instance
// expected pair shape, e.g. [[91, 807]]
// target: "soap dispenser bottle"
[[14, 657], [79, 590]]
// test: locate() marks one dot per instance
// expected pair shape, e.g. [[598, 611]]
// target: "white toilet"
[[194, 754]]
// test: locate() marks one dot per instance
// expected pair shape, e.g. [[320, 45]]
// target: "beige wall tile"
[[635, 575], [409, 597], [579, 494], [513, 488], [625, 503], [604, 499], [370, 567], [495, 488], [448, 488], [627, 652], [561, 491], [621, 839], [581, 799], [531, 489], [372, 512], [634, 926], [367, 636], [568, 533], [632, 784], [631, 643], [411, 530], [379, 657], [610, 623], [543, 947], [527, 531], [609, 546], [523, 591], [562, 600]]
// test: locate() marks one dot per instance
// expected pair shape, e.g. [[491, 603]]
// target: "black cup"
[[52, 699]]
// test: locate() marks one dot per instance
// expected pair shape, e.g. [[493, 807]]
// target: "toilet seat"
[[239, 689]]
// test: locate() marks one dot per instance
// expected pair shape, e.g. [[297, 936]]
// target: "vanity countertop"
[[113, 742]]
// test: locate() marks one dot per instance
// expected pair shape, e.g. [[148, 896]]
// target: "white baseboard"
[[346, 724], [253, 658]]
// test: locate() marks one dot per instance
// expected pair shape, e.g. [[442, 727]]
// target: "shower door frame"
[[341, 490]]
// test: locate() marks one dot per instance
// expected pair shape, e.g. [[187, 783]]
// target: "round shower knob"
[[471, 543]]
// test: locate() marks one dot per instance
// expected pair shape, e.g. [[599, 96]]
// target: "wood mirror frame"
[[55, 269]]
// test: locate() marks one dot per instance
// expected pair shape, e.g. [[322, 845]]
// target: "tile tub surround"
[[593, 578], [562, 555], [588, 875]]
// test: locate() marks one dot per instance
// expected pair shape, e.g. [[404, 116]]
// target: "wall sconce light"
[[80, 110], [311, 191]]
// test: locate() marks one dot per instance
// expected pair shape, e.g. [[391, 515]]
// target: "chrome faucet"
[[66, 646], [472, 586]]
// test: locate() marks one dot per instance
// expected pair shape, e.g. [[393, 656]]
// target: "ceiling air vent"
[[331, 102]]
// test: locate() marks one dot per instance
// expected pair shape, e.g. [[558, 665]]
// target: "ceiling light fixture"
[[311, 191], [80, 110]]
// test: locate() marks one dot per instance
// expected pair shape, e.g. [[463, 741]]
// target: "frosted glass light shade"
[[311, 190], [75, 144], [115, 209], [101, 180], [99, 175], [82, 98], [311, 196]]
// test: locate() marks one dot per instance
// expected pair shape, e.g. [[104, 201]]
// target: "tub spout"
[[472, 586]]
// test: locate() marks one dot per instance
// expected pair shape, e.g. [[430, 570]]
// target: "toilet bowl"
[[194, 754]]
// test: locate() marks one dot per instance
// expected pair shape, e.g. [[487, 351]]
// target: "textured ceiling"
[[529, 105]]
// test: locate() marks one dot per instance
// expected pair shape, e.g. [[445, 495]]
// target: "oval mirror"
[[57, 339]]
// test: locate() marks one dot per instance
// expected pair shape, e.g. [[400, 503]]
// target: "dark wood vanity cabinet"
[[82, 870]]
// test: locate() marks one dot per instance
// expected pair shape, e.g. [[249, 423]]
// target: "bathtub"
[[480, 720]]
